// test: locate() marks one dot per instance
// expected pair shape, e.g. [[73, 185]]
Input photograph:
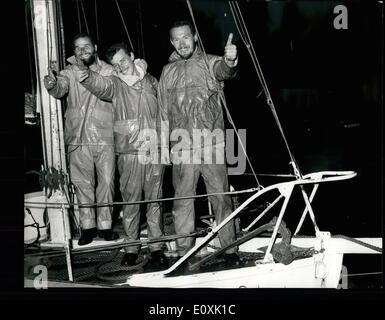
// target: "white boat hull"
[[304, 273], [322, 270]]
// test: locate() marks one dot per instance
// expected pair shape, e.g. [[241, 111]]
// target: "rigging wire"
[[29, 54], [105, 204], [61, 163], [221, 96], [241, 33], [62, 60], [140, 21], [79, 20], [96, 21], [72, 211], [361, 274], [50, 55], [250, 46], [84, 16], [49, 33], [42, 127], [124, 24], [49, 58], [61, 37], [244, 34]]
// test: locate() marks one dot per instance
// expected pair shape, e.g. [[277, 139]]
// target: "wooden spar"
[[50, 109], [46, 43]]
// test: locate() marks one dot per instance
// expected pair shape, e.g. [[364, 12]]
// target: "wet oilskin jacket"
[[189, 94], [135, 108], [88, 119]]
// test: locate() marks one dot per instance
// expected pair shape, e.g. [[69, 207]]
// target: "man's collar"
[[175, 55], [140, 71], [94, 67]]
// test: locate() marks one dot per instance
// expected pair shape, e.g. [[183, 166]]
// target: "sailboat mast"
[[46, 31], [46, 43]]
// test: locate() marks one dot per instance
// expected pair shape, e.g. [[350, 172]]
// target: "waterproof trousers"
[[137, 178], [83, 160], [185, 178]]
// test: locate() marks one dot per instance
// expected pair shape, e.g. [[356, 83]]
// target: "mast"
[[47, 28], [50, 109]]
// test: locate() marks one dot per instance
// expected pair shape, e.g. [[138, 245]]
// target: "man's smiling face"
[[85, 50], [183, 40]]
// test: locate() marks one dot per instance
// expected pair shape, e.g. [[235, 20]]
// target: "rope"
[[73, 149], [124, 25], [245, 37], [101, 273], [230, 119], [237, 242], [61, 36], [106, 264], [71, 212], [35, 224], [62, 164], [341, 236], [29, 53], [197, 32], [364, 244], [84, 16], [49, 55], [360, 274], [270, 175], [79, 21], [121, 245], [244, 34], [221, 94], [33, 18], [54, 205], [33, 172], [96, 21], [140, 21]]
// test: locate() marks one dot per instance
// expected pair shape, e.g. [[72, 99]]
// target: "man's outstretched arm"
[[101, 86], [57, 85], [226, 67]]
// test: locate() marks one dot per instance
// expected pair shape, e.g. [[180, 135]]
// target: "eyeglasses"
[[81, 49]]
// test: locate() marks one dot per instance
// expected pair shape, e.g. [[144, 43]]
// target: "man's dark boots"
[[108, 235], [87, 236], [158, 260], [129, 259]]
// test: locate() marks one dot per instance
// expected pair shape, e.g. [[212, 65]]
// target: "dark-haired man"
[[133, 93], [190, 106], [89, 136]]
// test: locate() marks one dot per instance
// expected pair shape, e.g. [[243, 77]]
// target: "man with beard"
[[89, 137], [189, 102], [133, 93]]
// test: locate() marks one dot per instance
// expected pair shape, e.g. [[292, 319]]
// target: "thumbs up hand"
[[50, 79], [81, 70], [81, 73], [230, 52], [80, 64]]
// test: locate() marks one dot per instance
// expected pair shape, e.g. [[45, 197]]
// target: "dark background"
[[326, 85]]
